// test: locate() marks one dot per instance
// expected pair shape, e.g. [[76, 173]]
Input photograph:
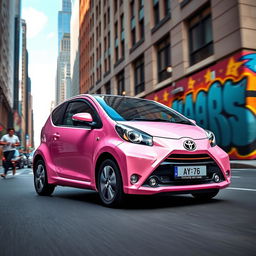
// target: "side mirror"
[[192, 121], [82, 117], [85, 118]]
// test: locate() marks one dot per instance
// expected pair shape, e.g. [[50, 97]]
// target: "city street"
[[73, 222]]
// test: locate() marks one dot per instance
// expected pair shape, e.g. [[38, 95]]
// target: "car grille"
[[164, 173]]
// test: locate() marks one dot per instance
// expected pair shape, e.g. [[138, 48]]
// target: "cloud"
[[36, 21], [50, 35]]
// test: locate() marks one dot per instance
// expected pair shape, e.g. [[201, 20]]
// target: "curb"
[[242, 165]]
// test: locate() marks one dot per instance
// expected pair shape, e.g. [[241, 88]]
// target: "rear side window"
[[57, 114]]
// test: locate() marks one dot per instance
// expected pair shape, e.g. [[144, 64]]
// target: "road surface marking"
[[243, 189], [236, 177]]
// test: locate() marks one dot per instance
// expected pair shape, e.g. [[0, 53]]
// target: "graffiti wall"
[[221, 98]]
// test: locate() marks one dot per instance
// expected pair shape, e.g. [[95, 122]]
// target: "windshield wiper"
[[183, 122], [150, 120]]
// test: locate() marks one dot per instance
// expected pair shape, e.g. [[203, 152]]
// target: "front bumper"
[[148, 161]]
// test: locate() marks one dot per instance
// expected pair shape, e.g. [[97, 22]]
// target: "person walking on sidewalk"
[[9, 142]]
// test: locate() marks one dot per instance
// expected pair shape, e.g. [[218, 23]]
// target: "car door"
[[73, 143]]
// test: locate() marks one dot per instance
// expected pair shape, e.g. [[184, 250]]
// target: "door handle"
[[56, 136]]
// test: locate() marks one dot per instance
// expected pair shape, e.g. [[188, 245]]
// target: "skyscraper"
[[26, 111], [74, 48], [64, 20], [63, 70], [63, 61], [9, 60]]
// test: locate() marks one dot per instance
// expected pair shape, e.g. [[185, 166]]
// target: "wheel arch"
[[103, 156], [37, 158]]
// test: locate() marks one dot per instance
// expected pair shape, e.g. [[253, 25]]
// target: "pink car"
[[120, 145]]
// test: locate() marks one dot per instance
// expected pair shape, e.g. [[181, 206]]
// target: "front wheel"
[[42, 187], [110, 184], [205, 195]]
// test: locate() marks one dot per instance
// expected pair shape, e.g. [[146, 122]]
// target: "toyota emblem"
[[189, 145]]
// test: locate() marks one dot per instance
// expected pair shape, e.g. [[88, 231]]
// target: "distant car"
[[30, 159], [120, 145]]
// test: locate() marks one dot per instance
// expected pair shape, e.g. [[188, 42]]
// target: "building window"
[[156, 11], [122, 35], [167, 7], [115, 6], [141, 18], [122, 49], [109, 62], [97, 10], [133, 37], [105, 20], [163, 59], [116, 42], [120, 83], [133, 23], [107, 88], [105, 44], [132, 8], [116, 53], [139, 75], [108, 15], [200, 36]]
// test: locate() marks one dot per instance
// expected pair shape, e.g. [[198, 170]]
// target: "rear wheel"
[[110, 184], [42, 187], [205, 195]]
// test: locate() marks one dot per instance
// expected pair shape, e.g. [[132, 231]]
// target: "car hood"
[[168, 130]]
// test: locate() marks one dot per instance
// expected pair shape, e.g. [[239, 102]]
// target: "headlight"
[[211, 137], [133, 135]]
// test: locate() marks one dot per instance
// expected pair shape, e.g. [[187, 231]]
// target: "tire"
[[42, 187], [205, 195], [109, 183]]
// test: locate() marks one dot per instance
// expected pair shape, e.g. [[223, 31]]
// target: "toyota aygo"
[[121, 145]]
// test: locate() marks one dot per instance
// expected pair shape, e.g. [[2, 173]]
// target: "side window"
[[74, 108], [57, 114]]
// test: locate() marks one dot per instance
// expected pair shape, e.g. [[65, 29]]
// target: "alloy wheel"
[[40, 178], [108, 184]]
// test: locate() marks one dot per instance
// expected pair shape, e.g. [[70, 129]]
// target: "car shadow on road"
[[135, 202]]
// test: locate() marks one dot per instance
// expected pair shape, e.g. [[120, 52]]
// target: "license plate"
[[189, 172]]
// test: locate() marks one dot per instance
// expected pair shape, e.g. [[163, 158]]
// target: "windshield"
[[121, 108]]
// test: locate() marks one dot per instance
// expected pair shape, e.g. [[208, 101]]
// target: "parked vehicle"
[[120, 145], [30, 159]]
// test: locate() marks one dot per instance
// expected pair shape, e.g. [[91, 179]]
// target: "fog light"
[[216, 178], [134, 178], [227, 173], [153, 182]]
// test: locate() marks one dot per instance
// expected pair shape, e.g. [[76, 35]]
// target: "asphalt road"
[[73, 222]]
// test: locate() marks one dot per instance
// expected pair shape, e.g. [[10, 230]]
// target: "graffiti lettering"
[[223, 110]]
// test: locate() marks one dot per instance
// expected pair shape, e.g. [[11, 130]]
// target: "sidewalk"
[[243, 164]]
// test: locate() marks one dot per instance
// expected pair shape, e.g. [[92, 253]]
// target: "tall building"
[[86, 19], [196, 56], [63, 69], [63, 62], [74, 48], [24, 82], [26, 111], [9, 61], [64, 20], [5, 60], [17, 25]]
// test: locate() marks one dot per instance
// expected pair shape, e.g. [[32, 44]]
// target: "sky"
[[42, 32]]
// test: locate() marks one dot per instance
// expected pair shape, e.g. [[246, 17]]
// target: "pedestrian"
[[9, 142]]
